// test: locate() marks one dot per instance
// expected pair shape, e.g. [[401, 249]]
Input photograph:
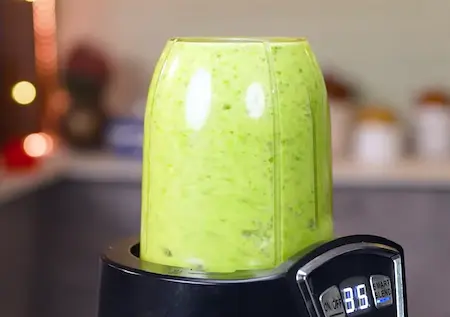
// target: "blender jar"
[[237, 164]]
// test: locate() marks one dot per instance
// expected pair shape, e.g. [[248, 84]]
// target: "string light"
[[38, 144], [23, 93]]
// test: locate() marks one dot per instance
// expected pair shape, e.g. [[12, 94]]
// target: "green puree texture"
[[236, 170]]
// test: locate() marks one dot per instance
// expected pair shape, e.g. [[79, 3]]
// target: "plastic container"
[[237, 165]]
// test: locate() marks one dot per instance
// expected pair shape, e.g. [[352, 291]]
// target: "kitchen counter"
[[104, 167]]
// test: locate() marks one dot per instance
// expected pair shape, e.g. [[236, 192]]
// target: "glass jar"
[[342, 110], [378, 137], [432, 125], [237, 164]]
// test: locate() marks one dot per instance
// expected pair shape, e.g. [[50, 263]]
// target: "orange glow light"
[[45, 36], [38, 144], [44, 25]]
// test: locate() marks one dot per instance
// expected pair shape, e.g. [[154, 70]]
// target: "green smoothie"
[[236, 170]]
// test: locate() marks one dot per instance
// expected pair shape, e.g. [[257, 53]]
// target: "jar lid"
[[434, 98], [336, 88], [376, 114]]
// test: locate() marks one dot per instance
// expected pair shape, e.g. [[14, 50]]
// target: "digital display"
[[356, 296]]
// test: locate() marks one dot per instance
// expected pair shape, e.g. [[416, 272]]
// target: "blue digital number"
[[355, 298]]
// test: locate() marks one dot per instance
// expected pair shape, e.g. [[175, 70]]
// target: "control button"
[[381, 290], [331, 302]]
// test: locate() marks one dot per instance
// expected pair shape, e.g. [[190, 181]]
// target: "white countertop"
[[103, 167]]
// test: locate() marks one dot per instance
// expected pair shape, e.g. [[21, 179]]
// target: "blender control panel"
[[356, 296], [354, 281]]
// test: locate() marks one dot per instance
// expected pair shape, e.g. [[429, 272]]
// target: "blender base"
[[129, 289], [133, 288]]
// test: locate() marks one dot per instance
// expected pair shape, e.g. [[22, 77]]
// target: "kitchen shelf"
[[105, 167]]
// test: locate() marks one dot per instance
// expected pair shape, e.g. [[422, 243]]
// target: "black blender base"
[[127, 291], [152, 296], [299, 288]]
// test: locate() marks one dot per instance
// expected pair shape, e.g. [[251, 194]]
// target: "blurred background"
[[74, 76]]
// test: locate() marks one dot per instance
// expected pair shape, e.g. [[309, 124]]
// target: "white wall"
[[390, 47]]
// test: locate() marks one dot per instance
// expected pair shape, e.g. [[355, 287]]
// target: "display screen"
[[356, 296]]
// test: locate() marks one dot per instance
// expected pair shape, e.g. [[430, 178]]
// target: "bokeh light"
[[23, 93], [38, 144], [58, 103]]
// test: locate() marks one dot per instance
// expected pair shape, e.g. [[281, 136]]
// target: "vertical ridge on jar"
[[296, 148], [145, 214], [277, 162], [322, 152]]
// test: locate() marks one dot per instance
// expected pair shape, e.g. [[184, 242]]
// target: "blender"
[[237, 195]]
